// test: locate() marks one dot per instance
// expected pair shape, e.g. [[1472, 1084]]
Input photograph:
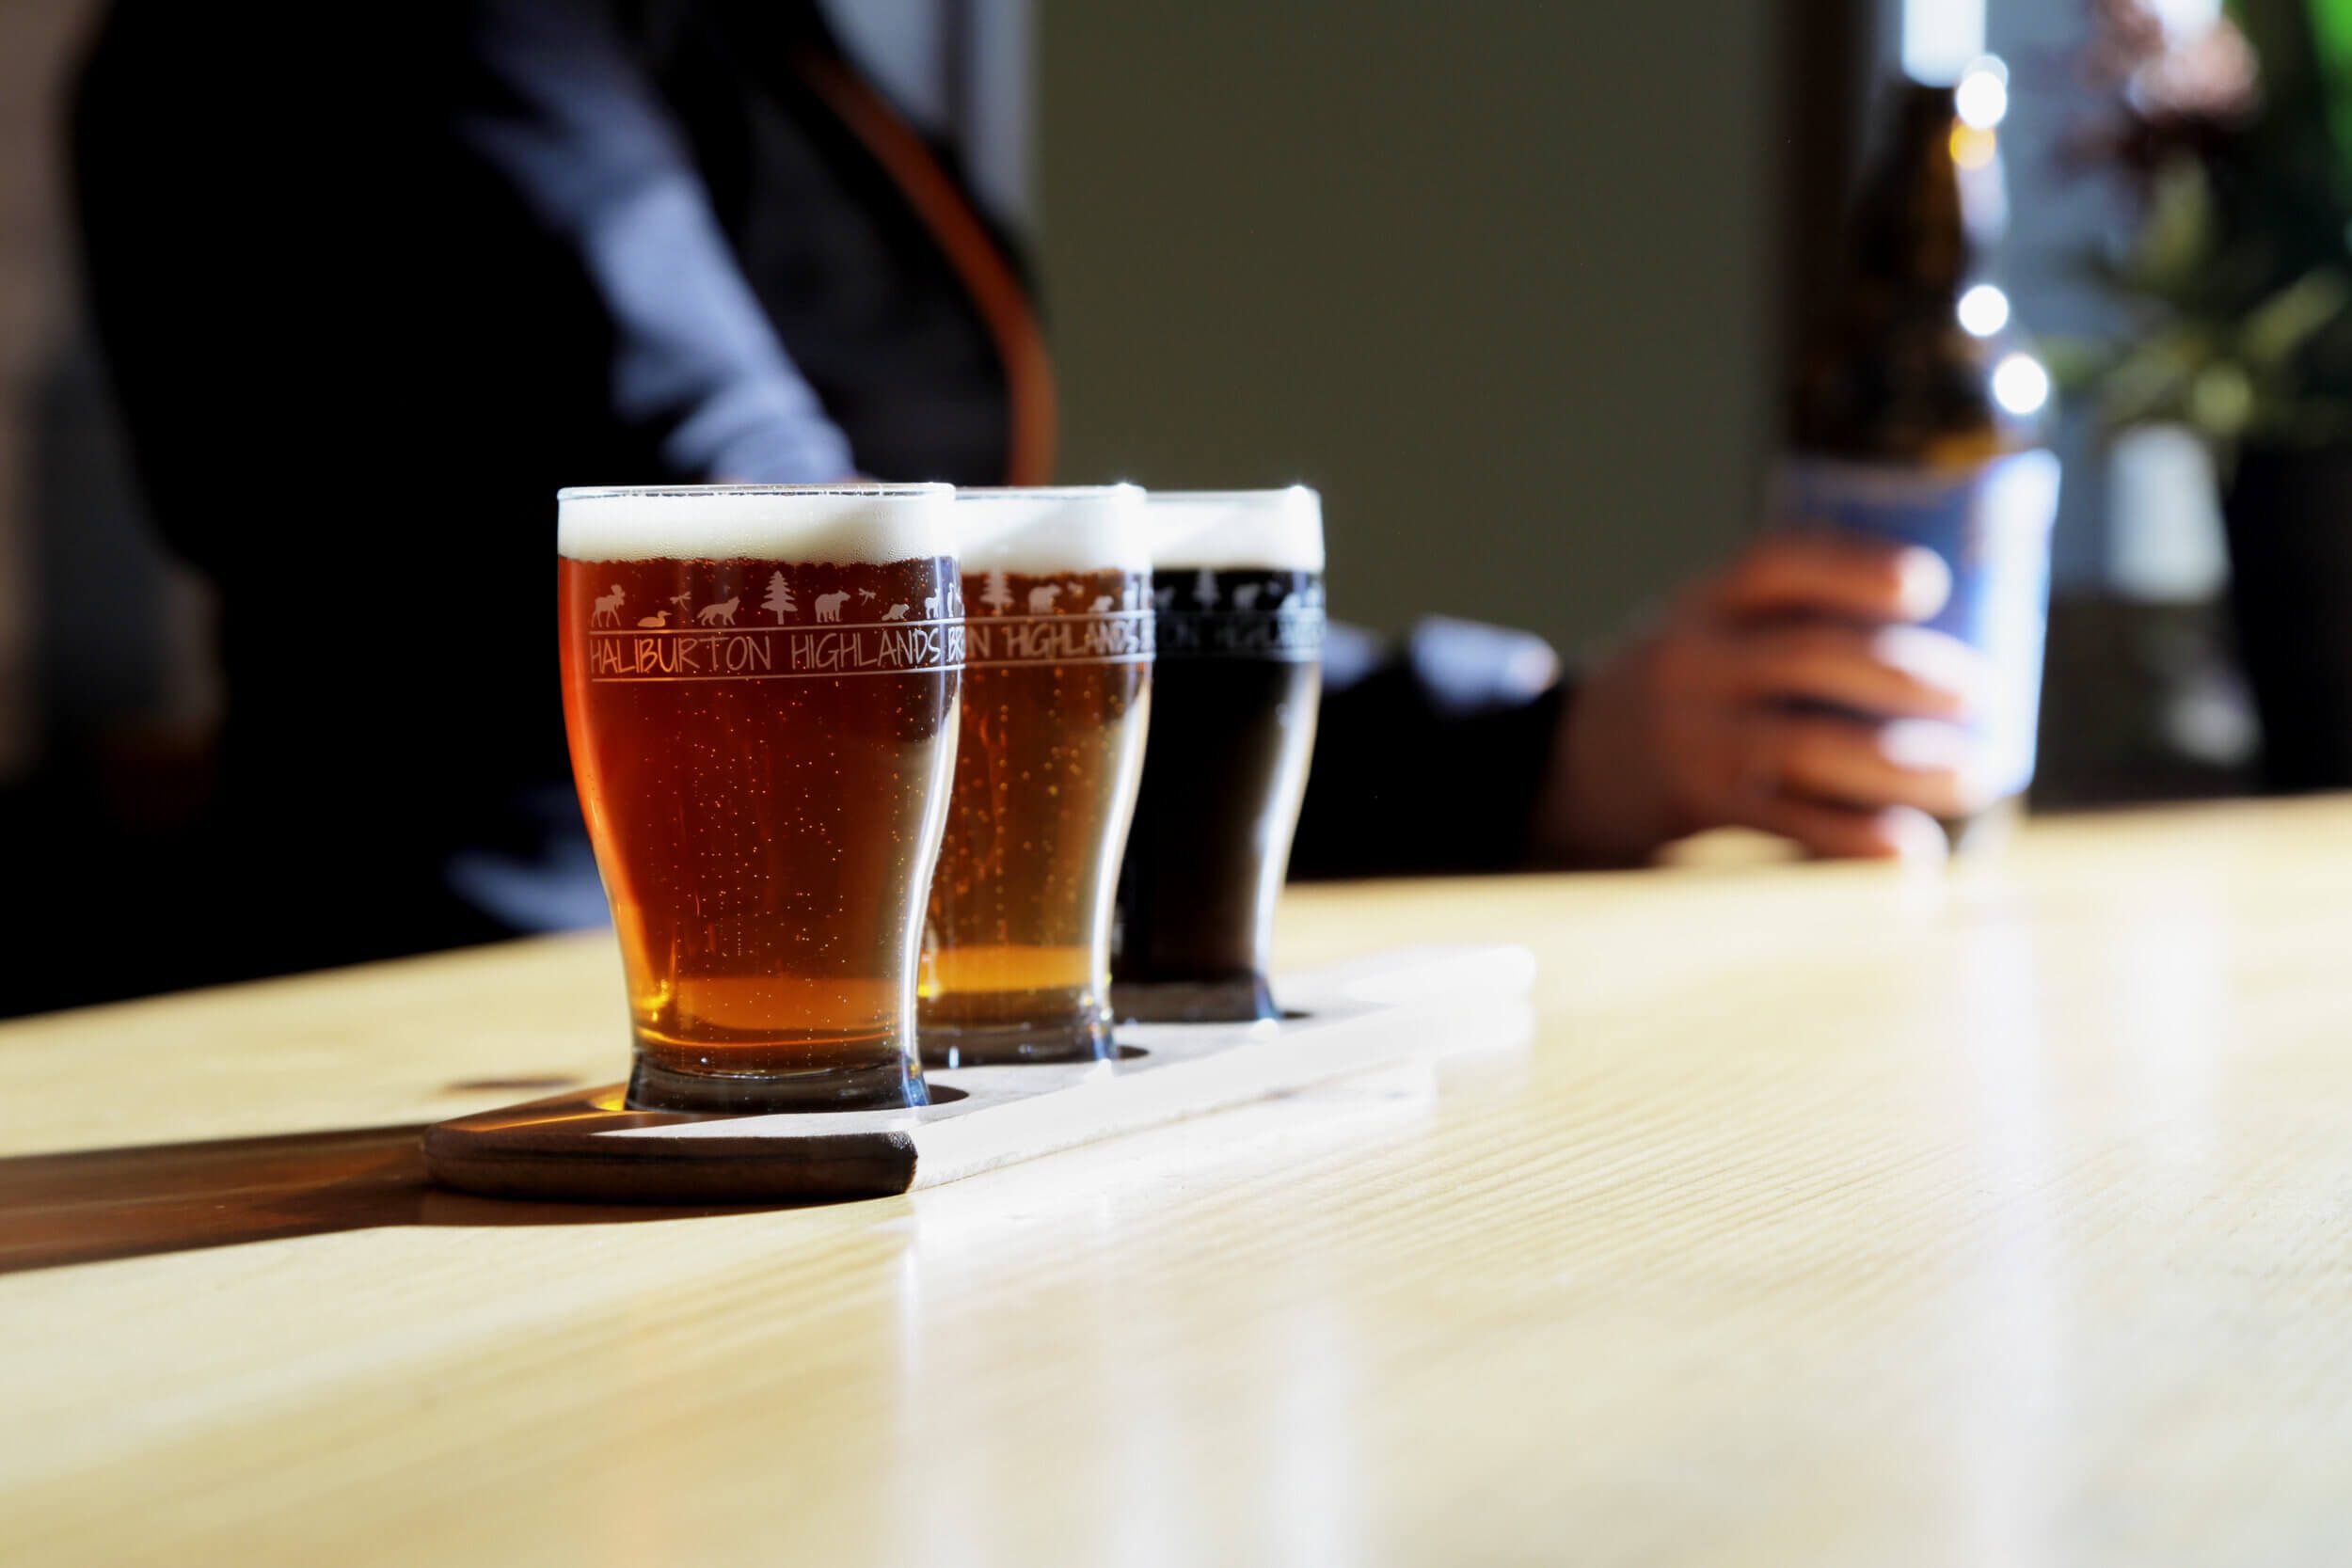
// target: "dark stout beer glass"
[[1237, 588], [760, 684], [1056, 690]]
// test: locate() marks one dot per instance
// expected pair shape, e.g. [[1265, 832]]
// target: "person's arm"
[[1792, 692], [1429, 758], [549, 97]]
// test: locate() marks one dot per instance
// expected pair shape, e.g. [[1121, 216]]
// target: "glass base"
[[947, 1045], [1241, 1001], [886, 1086], [1984, 834]]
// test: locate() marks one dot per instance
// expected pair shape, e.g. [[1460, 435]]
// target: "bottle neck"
[[1930, 212]]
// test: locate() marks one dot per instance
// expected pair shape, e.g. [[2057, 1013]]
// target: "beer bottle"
[[1918, 406]]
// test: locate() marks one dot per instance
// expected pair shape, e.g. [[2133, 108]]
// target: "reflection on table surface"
[[1837, 1215]]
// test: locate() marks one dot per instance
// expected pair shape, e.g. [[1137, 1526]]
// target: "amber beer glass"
[[1238, 590], [1016, 955], [760, 686]]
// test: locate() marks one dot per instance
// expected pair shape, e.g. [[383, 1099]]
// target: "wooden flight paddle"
[[1404, 1007]]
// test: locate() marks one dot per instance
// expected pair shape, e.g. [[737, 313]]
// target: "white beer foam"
[[842, 524], [1039, 531], [1235, 531]]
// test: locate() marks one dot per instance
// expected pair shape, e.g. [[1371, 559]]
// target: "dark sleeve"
[[549, 97], [1430, 756]]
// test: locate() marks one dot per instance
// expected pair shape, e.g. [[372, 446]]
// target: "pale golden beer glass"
[[760, 686], [1016, 954]]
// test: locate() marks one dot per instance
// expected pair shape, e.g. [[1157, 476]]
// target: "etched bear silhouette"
[[896, 612], [718, 614], [1042, 599], [829, 605], [655, 622], [608, 611]]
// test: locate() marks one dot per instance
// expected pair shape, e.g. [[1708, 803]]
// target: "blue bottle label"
[[1991, 523]]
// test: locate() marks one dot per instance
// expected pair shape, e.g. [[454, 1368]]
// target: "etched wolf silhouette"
[[829, 605], [718, 614], [1042, 599], [896, 612], [608, 611]]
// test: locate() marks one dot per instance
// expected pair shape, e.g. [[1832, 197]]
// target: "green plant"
[[2235, 147]]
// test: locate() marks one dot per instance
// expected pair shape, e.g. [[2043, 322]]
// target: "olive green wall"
[[1492, 275]]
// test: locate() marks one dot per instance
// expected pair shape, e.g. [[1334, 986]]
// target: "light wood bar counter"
[[1835, 1216]]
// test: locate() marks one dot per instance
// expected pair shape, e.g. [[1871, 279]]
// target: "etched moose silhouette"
[[718, 614], [829, 605], [608, 611], [655, 622], [1042, 599], [896, 612]]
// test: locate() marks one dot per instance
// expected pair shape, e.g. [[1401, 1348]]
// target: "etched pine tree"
[[996, 592], [1204, 590], [779, 600]]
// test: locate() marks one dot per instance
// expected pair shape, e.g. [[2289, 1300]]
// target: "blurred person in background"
[[371, 286]]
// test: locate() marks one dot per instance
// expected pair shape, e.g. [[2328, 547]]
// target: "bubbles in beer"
[[1060, 643], [764, 778]]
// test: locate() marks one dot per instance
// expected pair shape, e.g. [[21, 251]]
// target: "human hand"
[[1715, 717]]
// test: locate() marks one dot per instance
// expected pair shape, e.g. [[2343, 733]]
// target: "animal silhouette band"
[[774, 653], [1109, 638], [723, 624], [1293, 637]]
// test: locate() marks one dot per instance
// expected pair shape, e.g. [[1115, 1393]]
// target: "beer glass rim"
[[1237, 529], [813, 522], [1233, 498], [1046, 492], [858, 492], [1044, 530]]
